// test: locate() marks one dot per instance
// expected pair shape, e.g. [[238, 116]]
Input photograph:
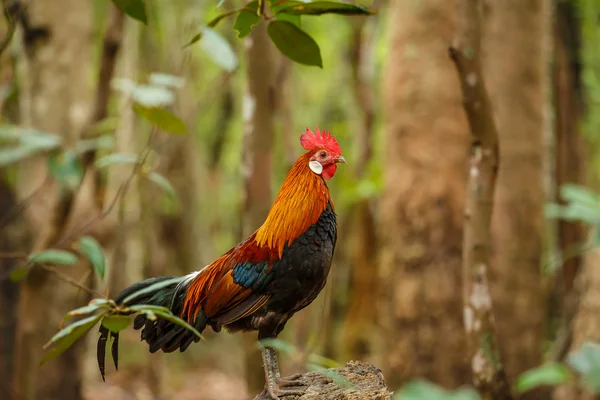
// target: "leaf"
[[146, 95], [18, 274], [220, 3], [151, 288], [66, 168], [167, 80], [421, 390], [331, 374], [148, 307], [106, 142], [136, 9], [294, 43], [92, 250], [178, 321], [547, 374], [16, 154], [116, 158], [294, 19], [580, 194], [90, 308], [69, 335], [163, 183], [246, 19], [53, 256], [323, 7], [218, 49], [278, 344], [161, 118], [586, 361], [116, 323]]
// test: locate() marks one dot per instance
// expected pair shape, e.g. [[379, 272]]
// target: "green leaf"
[[163, 183], [294, 19], [146, 95], [116, 323], [106, 142], [162, 118], [278, 344], [547, 374], [90, 308], [294, 43], [586, 361], [246, 19], [66, 168], [116, 158], [69, 335], [331, 374], [151, 315], [580, 194], [148, 307], [167, 80], [136, 9], [92, 250], [152, 288], [18, 274], [178, 321], [16, 154], [53, 256], [421, 390], [218, 49], [323, 7]]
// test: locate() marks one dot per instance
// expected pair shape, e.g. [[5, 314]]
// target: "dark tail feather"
[[160, 334]]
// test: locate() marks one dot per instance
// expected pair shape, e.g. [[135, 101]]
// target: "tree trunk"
[[55, 98], [361, 316], [422, 206], [514, 46], [258, 142], [14, 237]]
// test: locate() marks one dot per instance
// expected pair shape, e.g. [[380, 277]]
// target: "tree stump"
[[366, 382]]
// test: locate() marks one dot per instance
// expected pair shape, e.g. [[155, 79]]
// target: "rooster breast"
[[298, 277]]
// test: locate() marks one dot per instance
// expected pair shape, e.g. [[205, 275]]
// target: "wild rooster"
[[260, 283]]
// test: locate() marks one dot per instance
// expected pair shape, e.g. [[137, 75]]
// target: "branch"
[[367, 383], [11, 9], [69, 280], [488, 373]]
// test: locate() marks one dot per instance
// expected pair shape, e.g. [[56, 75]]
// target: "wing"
[[232, 287]]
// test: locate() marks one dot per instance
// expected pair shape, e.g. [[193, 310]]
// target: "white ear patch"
[[315, 167]]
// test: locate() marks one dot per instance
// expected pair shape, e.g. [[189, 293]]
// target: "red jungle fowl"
[[262, 282]]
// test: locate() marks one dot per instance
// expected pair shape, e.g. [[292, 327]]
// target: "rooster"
[[263, 281]]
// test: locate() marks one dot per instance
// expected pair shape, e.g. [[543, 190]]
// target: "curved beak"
[[341, 159]]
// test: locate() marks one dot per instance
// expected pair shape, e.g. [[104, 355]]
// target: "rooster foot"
[[282, 389]]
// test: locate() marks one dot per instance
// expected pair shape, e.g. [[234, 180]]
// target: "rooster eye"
[[322, 154]]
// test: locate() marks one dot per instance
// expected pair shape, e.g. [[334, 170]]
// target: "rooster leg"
[[272, 376]]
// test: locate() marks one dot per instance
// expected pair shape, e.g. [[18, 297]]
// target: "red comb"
[[321, 139]]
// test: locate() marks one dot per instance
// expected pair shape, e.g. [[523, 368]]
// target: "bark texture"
[[422, 206], [514, 70], [55, 65], [367, 381], [488, 374]]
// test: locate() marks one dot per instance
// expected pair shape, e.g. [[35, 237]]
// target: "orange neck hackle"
[[302, 199]]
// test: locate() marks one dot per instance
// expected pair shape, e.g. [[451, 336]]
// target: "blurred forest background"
[[390, 94]]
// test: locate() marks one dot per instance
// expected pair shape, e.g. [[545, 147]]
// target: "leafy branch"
[[284, 29]]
